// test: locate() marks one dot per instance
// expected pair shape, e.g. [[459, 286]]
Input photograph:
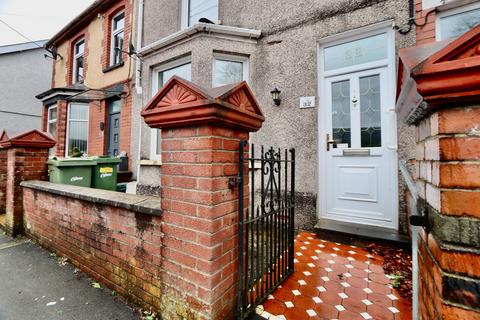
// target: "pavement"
[[35, 285]]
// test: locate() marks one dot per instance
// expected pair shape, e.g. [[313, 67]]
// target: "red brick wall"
[[22, 164], [182, 263], [426, 33], [197, 163], [97, 139], [3, 179], [120, 248], [448, 170], [62, 113]]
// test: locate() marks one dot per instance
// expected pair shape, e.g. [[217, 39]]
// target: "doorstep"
[[354, 233]]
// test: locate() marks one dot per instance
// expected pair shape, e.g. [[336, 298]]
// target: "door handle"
[[330, 142]]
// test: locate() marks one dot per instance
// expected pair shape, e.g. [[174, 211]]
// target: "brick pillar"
[[201, 132], [3, 179], [438, 93], [27, 155], [448, 171]]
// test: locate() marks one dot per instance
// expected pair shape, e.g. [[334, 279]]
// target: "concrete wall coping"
[[143, 204]]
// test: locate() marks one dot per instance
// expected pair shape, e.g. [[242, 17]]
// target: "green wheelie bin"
[[104, 174], [73, 171]]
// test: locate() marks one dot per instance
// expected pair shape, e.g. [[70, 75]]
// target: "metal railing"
[[266, 225]]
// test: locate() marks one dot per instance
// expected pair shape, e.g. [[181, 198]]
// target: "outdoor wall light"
[[276, 96]]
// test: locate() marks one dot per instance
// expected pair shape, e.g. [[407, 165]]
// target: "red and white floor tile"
[[335, 281]]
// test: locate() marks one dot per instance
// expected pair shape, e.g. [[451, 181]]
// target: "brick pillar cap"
[[182, 103], [32, 138], [440, 74]]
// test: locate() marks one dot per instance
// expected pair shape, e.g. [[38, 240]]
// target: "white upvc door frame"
[[322, 121]]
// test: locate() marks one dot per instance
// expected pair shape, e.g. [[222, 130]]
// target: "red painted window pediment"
[[177, 92], [461, 53], [4, 136], [181, 102], [33, 138]]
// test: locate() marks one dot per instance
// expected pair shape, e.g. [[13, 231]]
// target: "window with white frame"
[[455, 22], [77, 128], [161, 75], [117, 38], [193, 10], [228, 69], [78, 51], [52, 120]]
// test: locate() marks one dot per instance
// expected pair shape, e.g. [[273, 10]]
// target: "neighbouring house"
[[88, 106], [24, 71], [334, 63]]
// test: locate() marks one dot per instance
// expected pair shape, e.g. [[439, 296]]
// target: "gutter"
[[199, 28]]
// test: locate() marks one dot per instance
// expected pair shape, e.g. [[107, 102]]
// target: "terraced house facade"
[[334, 63], [88, 108]]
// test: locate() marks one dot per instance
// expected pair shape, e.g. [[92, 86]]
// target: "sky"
[[36, 19]]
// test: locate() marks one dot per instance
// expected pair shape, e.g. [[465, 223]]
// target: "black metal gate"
[[266, 226]]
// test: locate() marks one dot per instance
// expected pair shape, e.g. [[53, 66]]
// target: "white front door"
[[359, 151]]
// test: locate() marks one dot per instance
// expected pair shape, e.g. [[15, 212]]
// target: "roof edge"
[[82, 18]]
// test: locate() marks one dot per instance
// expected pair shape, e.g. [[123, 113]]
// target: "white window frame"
[[49, 120], [67, 138], [155, 77], [186, 13], [113, 33], [451, 12], [234, 58], [75, 57]]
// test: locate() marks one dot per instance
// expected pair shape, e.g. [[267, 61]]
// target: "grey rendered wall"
[[22, 76], [284, 57]]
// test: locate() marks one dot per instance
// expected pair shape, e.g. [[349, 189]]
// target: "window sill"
[[115, 66], [151, 163]]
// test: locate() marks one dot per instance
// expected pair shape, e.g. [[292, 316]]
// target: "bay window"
[[181, 68], [229, 69]]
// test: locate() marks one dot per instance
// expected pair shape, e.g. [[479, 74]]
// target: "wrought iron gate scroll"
[[266, 225]]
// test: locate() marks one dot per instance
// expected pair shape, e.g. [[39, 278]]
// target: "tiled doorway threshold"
[[345, 232], [335, 281]]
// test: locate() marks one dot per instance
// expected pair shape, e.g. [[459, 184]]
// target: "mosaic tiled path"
[[334, 281]]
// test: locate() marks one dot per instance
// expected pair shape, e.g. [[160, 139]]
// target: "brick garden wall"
[[119, 247], [448, 182], [3, 179], [22, 164]]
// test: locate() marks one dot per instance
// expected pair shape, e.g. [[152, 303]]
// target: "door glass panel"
[[341, 112], [370, 111], [356, 52], [115, 106]]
